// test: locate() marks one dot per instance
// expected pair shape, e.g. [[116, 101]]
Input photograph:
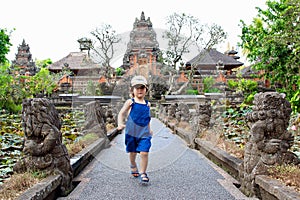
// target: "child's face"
[[139, 91]]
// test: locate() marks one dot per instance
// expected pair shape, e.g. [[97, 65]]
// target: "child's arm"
[[124, 111], [151, 132]]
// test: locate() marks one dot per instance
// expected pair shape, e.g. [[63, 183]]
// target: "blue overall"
[[137, 133]]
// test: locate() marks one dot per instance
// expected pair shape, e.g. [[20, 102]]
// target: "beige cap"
[[139, 80]]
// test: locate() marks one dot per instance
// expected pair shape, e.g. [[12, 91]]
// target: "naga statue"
[[43, 147], [269, 139]]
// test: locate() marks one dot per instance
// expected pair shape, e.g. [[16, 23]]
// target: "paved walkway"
[[175, 172]]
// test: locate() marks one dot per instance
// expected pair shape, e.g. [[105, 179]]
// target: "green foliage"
[[91, 88], [208, 83], [119, 71], [295, 102], [192, 92], [4, 45], [43, 63], [15, 88], [246, 86], [272, 42], [232, 84], [8, 91], [42, 83]]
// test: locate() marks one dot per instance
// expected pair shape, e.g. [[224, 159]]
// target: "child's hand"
[[121, 127], [151, 132]]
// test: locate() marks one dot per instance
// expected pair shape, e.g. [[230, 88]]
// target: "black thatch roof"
[[208, 59], [76, 61]]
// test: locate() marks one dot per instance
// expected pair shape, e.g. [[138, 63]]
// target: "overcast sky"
[[52, 28]]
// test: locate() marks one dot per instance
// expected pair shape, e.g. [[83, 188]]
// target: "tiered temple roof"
[[76, 62], [23, 64], [210, 59], [143, 46]]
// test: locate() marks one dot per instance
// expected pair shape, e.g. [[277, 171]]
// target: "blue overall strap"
[[140, 114]]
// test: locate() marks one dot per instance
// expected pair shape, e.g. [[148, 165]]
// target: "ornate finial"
[[142, 16]]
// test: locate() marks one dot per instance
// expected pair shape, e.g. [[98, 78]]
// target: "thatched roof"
[[208, 59], [75, 61]]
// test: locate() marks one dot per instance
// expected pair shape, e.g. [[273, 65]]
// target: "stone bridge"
[[176, 171]]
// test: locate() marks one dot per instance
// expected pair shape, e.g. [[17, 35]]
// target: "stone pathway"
[[175, 172]]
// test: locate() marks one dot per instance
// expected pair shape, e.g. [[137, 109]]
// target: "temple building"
[[140, 57], [142, 49], [23, 64], [209, 61], [80, 69]]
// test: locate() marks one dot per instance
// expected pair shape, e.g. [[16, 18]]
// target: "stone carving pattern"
[[183, 113], [201, 119], [43, 147], [172, 109], [269, 139], [95, 119]]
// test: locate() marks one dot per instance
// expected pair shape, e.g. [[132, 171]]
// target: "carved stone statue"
[[201, 120], [43, 147], [269, 139], [94, 119], [172, 109], [183, 113]]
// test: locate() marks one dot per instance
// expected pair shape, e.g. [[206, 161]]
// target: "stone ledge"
[[269, 188], [275, 188], [228, 163], [43, 189], [49, 187], [81, 159]]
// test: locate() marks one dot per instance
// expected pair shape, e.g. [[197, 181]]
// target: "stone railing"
[[268, 145]]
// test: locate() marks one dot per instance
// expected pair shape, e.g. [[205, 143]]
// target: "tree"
[[43, 63], [4, 45], [6, 99], [272, 41], [185, 30], [103, 46], [42, 83]]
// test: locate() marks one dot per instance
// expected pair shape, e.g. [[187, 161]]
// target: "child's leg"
[[132, 157], [133, 166], [144, 162]]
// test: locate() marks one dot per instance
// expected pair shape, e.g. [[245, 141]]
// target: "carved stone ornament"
[[43, 147], [269, 139]]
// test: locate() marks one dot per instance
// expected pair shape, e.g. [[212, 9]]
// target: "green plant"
[[295, 102], [208, 83], [232, 84], [4, 45], [91, 88], [41, 83], [271, 42], [119, 71], [191, 91], [246, 86], [80, 143], [10, 93]]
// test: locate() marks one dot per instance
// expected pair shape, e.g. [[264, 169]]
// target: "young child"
[[137, 129]]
